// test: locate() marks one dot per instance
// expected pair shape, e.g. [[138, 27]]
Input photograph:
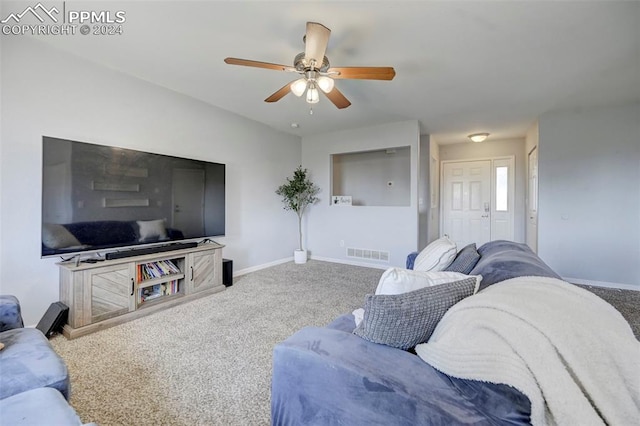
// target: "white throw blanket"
[[570, 352]]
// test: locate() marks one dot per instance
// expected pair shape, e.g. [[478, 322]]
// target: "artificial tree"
[[298, 193]]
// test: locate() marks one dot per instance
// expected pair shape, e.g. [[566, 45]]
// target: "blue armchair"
[[27, 361], [34, 384]]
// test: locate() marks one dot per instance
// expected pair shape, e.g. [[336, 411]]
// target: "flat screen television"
[[98, 198]]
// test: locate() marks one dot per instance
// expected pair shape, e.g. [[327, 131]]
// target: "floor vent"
[[368, 254]]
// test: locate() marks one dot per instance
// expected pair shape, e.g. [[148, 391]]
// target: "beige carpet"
[[627, 302], [208, 362]]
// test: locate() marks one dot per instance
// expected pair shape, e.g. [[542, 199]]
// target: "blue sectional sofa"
[[34, 384], [330, 376]]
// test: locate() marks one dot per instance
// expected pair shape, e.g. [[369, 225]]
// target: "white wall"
[[393, 229], [530, 141], [589, 193], [492, 149], [48, 92], [531, 230], [424, 191], [365, 176], [1, 149], [434, 179]]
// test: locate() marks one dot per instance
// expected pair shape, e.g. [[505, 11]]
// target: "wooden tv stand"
[[106, 293]]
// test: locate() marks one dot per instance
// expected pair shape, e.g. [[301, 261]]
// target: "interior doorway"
[[478, 200]]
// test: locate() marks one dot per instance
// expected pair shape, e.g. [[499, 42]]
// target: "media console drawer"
[[103, 294]]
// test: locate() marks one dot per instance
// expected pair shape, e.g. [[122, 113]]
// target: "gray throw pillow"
[[465, 260], [405, 320]]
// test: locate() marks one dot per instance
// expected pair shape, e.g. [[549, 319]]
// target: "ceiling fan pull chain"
[[310, 110]]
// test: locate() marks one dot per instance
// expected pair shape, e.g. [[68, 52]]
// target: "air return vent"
[[368, 254]]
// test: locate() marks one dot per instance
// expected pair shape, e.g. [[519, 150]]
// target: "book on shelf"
[[161, 268], [155, 291], [149, 293]]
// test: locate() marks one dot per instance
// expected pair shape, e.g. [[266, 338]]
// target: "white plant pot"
[[300, 256]]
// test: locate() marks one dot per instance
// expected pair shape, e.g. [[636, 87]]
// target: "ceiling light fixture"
[[310, 83], [325, 83], [478, 137], [299, 86], [313, 97]]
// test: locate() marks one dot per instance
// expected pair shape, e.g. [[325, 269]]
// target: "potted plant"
[[298, 193]]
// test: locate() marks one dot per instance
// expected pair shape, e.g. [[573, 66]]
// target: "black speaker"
[[227, 272], [149, 250], [54, 319]]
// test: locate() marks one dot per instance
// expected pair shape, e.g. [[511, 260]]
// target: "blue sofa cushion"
[[411, 259], [502, 260], [407, 319], [37, 407], [329, 376], [31, 362], [465, 260], [10, 316]]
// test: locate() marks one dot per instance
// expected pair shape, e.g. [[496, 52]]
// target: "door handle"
[[485, 215]]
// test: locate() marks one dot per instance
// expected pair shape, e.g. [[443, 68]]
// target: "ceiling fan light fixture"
[[299, 86], [313, 97], [478, 137], [325, 83]]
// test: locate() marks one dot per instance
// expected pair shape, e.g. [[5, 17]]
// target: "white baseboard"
[[602, 284], [351, 262], [263, 266], [290, 259]]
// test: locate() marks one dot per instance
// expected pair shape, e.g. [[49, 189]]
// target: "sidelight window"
[[502, 188]]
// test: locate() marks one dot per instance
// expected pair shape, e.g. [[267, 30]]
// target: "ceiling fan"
[[316, 71]]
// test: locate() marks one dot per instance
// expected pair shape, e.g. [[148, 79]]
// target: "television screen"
[[100, 198]]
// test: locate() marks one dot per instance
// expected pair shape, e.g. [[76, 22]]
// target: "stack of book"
[[161, 268], [153, 270], [155, 291]]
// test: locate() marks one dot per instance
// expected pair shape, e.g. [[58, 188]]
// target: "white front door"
[[466, 202], [532, 201]]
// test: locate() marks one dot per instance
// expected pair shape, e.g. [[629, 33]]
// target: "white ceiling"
[[461, 67]]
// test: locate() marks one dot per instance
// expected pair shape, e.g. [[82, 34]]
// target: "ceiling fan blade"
[[363, 73], [315, 42], [338, 98], [257, 64], [279, 94]]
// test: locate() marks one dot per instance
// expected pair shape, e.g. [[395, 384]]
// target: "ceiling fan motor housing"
[[302, 64]]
